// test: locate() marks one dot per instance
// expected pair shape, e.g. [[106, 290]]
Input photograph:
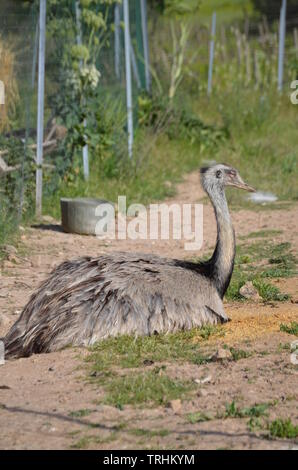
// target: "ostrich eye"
[[218, 174]]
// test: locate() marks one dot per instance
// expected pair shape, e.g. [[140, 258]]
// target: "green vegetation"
[[292, 329], [149, 432], [255, 411], [131, 352], [198, 417], [238, 354], [258, 262], [262, 234], [80, 413], [283, 428], [244, 123], [152, 387], [87, 441]]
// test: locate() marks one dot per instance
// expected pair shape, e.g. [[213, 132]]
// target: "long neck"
[[222, 261]]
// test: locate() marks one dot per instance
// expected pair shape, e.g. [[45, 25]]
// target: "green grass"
[[258, 262], [232, 411], [198, 417], [291, 329], [255, 411], [283, 428], [130, 352], [263, 144], [226, 11], [80, 413], [150, 388], [149, 432], [143, 183], [269, 292], [86, 441], [262, 234], [238, 354]]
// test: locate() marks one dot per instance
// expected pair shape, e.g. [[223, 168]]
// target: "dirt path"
[[39, 395]]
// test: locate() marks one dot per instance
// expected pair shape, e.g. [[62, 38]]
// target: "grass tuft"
[[149, 387], [291, 329], [255, 411], [283, 428], [131, 352]]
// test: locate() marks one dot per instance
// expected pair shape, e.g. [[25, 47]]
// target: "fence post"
[[128, 77], [296, 40], [211, 53], [281, 52], [40, 109], [79, 42], [145, 44]]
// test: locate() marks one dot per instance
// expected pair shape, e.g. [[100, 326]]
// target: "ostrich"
[[89, 299]]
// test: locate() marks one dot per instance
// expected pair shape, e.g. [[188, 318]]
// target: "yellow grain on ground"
[[251, 321]]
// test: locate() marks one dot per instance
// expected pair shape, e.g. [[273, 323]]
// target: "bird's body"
[[89, 299]]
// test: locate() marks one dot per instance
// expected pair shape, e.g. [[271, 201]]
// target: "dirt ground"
[[38, 395]]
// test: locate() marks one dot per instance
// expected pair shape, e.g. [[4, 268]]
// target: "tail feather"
[[14, 345]]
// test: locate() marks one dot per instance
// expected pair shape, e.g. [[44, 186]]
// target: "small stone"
[[175, 405], [8, 264], [4, 387], [51, 369], [48, 219], [222, 355], [9, 249], [204, 380], [202, 393], [248, 291], [13, 258]]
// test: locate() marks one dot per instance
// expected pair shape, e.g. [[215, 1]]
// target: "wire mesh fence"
[[18, 59], [86, 84]]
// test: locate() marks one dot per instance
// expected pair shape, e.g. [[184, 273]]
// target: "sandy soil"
[[37, 394]]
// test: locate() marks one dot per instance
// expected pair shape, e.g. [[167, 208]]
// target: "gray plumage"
[[88, 299]]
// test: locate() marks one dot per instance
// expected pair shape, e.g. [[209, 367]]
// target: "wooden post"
[[211, 53], [281, 53], [40, 109]]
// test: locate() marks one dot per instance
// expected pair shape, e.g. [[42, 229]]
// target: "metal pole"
[[79, 42], [211, 53], [40, 110], [281, 52], [117, 40], [145, 44], [128, 77], [296, 40]]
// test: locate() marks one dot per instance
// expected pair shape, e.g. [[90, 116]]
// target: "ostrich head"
[[216, 177]]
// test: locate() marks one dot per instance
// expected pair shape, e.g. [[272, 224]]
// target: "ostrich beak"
[[238, 182]]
